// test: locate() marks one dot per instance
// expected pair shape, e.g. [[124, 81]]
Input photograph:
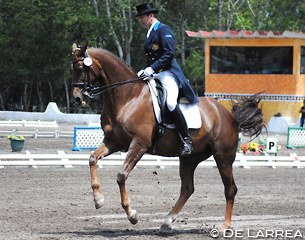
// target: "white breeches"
[[169, 82]]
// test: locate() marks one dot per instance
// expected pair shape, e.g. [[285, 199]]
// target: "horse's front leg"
[[101, 152], [134, 154]]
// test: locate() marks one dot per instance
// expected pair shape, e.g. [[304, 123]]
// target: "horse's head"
[[95, 71], [83, 74]]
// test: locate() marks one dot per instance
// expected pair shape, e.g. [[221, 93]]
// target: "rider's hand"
[[139, 74], [146, 72]]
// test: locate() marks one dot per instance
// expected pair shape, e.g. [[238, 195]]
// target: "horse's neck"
[[116, 71], [118, 97]]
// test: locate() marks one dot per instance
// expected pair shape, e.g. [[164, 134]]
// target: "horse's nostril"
[[77, 101]]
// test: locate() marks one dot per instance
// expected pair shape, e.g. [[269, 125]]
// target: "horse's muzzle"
[[78, 102]]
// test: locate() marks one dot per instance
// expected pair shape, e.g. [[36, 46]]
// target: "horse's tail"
[[249, 116]]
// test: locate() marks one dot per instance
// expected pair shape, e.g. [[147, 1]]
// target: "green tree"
[[36, 38], [194, 70]]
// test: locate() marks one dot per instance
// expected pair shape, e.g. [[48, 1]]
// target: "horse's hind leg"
[[186, 169], [226, 173], [135, 152]]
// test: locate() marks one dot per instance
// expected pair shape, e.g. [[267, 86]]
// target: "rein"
[[91, 91], [98, 90]]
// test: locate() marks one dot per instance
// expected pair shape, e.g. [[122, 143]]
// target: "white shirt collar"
[[151, 28]]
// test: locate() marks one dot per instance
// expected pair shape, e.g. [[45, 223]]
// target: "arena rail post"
[[31, 160]]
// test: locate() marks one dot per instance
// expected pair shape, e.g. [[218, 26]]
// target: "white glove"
[[140, 72], [146, 72]]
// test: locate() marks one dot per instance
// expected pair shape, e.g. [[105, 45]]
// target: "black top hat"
[[146, 8]]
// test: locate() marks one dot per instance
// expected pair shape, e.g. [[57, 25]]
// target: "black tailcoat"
[[160, 53]]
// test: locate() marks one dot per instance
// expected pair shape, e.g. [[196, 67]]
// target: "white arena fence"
[[81, 159], [25, 123], [37, 133]]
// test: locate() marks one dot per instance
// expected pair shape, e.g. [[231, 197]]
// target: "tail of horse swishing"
[[129, 124]]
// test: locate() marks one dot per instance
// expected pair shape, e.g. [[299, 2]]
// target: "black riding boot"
[[183, 130]]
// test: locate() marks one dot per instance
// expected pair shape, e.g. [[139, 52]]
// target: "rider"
[[160, 53]]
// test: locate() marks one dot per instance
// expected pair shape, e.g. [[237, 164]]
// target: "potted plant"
[[17, 142]]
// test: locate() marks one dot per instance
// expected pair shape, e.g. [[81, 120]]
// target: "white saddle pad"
[[190, 111]]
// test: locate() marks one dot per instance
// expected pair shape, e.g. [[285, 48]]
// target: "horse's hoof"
[[99, 201], [225, 230], [224, 227], [133, 218], [165, 228]]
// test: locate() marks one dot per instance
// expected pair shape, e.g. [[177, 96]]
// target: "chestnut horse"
[[129, 124]]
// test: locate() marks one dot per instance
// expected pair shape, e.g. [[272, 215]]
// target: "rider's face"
[[145, 20]]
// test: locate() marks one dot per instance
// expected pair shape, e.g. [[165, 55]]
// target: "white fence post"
[[243, 161], [159, 163], [31, 160], [65, 161], [57, 133], [296, 160], [269, 158], [36, 134]]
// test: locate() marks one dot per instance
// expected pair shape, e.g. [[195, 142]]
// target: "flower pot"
[[17, 145]]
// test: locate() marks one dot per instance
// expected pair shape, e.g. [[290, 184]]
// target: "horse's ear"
[[84, 48], [74, 46]]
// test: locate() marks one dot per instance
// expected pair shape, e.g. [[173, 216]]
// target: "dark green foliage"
[[36, 38]]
